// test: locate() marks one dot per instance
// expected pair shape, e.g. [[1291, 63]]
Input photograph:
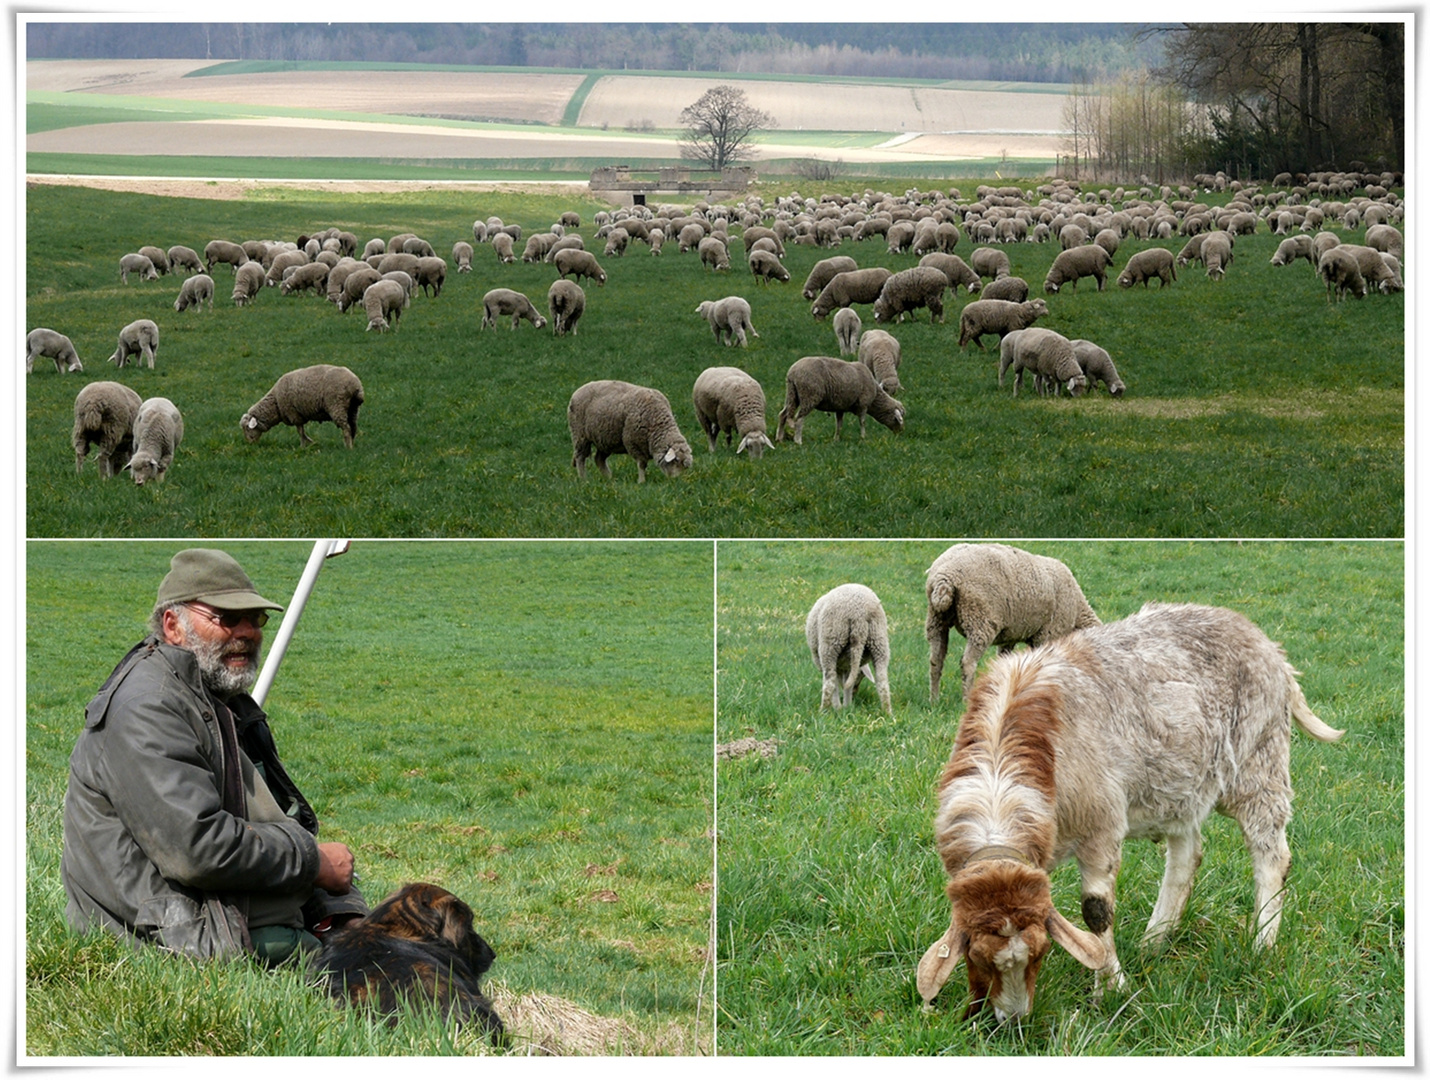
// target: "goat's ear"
[[1085, 947], [938, 963]]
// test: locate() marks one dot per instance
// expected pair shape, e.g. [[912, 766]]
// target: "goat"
[[1138, 728]]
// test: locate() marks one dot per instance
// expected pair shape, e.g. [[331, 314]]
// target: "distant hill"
[[1022, 52]]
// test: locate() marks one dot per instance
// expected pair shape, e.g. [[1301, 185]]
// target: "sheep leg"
[[857, 670], [937, 635], [880, 679], [838, 426], [978, 641], [303, 439], [606, 469], [1098, 866], [1184, 855]]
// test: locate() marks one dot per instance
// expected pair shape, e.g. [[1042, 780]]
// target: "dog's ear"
[[454, 919]]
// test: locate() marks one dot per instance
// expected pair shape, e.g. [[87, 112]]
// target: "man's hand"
[[335, 868]]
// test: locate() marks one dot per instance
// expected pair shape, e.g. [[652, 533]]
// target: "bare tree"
[[718, 127]]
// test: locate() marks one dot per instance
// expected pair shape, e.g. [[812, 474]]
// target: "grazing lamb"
[[730, 400], [1152, 263], [847, 326], [957, 271], [766, 266], [224, 251], [383, 301], [502, 245], [431, 273], [1098, 366], [729, 319], [104, 415], [579, 264], [1340, 270], [247, 283], [850, 287], [1138, 728], [838, 386], [845, 625], [1386, 238], [354, 285], [1376, 269], [616, 243], [993, 594], [997, 317], [909, 290], [990, 263], [1300, 246], [158, 256], [1089, 260], [879, 351], [134, 263], [194, 291], [308, 395], [499, 302], [823, 273], [566, 301], [1006, 288], [713, 253], [608, 417], [158, 430], [1216, 254], [1047, 354], [462, 256], [313, 275], [42, 341], [140, 338], [186, 257]]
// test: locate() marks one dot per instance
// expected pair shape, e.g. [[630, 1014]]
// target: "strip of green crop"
[[578, 99]]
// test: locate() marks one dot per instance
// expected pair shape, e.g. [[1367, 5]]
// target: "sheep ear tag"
[[669, 455], [937, 964]]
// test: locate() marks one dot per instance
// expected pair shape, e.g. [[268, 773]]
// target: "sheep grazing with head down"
[[308, 395], [1152, 263], [183, 257], [462, 256], [993, 594], [566, 301], [1300, 246], [908, 290], [139, 338], [846, 625], [1097, 365], [850, 287], [104, 415], [578, 264], [1340, 270], [383, 302], [879, 351], [134, 263], [158, 430], [499, 302], [766, 266], [956, 270], [1138, 728], [42, 341], [828, 384], [728, 318], [247, 283], [823, 273], [609, 416], [847, 326], [730, 400], [1089, 260], [1047, 354]]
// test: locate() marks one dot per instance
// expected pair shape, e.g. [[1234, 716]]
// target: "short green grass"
[[829, 889], [525, 723], [1254, 408]]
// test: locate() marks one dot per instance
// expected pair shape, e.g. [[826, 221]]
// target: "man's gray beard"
[[217, 676]]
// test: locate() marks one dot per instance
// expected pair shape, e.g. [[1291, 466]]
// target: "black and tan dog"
[[418, 943]]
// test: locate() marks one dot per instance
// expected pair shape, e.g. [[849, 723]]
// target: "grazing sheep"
[[823, 273], [1135, 728], [355, 284], [1300, 246], [158, 256], [283, 261], [844, 626], [134, 263], [1005, 288], [1155, 262], [990, 263], [104, 415], [616, 241], [1386, 238], [431, 273], [997, 317], [1098, 366], [158, 430], [608, 417], [187, 257], [509, 302], [730, 400], [879, 351], [1216, 254], [847, 326], [375, 246], [502, 245], [399, 260], [308, 395], [43, 341], [194, 291], [656, 240], [247, 282], [713, 253], [956, 270], [850, 287], [383, 301], [537, 245], [140, 338], [313, 275], [993, 594], [567, 302], [1047, 354], [1375, 269], [838, 386], [1079, 262], [729, 319], [579, 264], [766, 265], [1192, 250], [1109, 240], [1341, 272], [690, 236], [909, 290], [224, 251], [462, 256]]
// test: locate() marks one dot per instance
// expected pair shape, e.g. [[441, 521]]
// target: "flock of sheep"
[[608, 417]]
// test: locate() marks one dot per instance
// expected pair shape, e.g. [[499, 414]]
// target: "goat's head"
[[1003, 924]]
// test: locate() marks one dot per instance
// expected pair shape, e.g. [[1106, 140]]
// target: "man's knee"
[[274, 945]]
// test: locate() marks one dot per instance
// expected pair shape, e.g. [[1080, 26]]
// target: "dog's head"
[[422, 911]]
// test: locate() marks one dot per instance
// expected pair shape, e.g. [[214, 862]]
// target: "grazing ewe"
[[846, 624], [1296, 247], [462, 256], [730, 400], [1006, 288], [1138, 728], [838, 386], [847, 326], [1047, 354], [509, 302], [713, 253], [1097, 365], [187, 257], [158, 430], [989, 263], [909, 290], [308, 395], [729, 319], [383, 302], [578, 264], [247, 283], [997, 317], [823, 273], [1216, 254], [104, 415], [1155, 262], [850, 287], [134, 263], [194, 291], [42, 341], [566, 301], [224, 251], [993, 594], [140, 338], [956, 270], [879, 351], [608, 417], [1340, 270], [1089, 260], [766, 266]]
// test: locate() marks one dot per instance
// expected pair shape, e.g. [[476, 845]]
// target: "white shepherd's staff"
[[322, 550]]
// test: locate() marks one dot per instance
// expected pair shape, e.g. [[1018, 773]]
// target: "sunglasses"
[[230, 620]]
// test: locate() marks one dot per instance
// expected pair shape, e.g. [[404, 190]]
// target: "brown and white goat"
[[1138, 728]]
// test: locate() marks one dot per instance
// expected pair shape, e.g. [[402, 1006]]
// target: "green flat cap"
[[212, 577]]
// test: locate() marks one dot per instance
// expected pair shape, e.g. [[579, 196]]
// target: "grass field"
[[829, 888], [526, 724], [1253, 409]]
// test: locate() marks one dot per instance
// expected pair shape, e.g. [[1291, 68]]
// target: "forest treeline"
[[1022, 52]]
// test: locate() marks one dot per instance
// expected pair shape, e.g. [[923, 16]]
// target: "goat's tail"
[[1301, 712]]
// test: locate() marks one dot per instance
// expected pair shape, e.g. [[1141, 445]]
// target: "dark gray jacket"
[[158, 844]]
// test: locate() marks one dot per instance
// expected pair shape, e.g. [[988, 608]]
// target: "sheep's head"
[[677, 458], [755, 442], [252, 427], [1004, 924], [144, 467]]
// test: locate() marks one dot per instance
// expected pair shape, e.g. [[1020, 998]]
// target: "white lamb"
[[845, 625], [158, 430]]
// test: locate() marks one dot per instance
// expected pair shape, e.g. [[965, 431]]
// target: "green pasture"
[[527, 724], [1254, 408], [830, 891]]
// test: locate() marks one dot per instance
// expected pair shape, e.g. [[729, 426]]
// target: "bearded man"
[[182, 829]]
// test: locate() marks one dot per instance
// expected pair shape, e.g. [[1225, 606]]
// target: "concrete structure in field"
[[615, 182]]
